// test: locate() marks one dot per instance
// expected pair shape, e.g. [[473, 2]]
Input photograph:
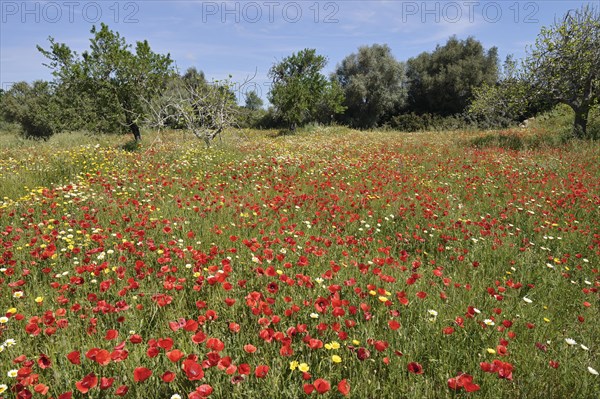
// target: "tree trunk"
[[135, 129], [580, 122]]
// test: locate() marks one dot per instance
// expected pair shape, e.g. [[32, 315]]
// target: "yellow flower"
[[355, 342], [39, 299], [491, 351], [294, 365], [383, 299], [336, 359], [303, 367]]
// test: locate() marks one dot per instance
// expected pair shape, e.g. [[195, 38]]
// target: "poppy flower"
[[204, 390], [415, 368], [344, 387], [168, 376], [88, 382], [175, 355], [141, 374], [261, 371], [321, 385], [193, 370]]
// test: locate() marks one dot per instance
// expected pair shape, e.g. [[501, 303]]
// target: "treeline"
[[117, 87]]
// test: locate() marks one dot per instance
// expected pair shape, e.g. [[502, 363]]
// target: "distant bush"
[[430, 122], [33, 107], [559, 120], [519, 140]]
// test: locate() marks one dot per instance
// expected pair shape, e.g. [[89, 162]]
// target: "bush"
[[33, 107], [431, 122], [559, 120]]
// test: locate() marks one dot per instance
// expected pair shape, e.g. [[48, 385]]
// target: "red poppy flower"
[[106, 383], [261, 371], [175, 355], [111, 334], [249, 348], [321, 385], [344, 387], [363, 353], [122, 390], [141, 374], [44, 361], [88, 382], [168, 376], [415, 368], [244, 369], [393, 324], [193, 370], [204, 390]]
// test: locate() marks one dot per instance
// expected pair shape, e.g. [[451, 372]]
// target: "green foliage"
[[373, 84], [33, 107], [108, 84], [507, 102], [300, 92], [559, 121], [411, 122], [442, 82], [565, 63], [253, 101]]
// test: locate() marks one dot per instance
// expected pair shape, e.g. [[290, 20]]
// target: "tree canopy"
[[300, 91], [373, 84], [564, 63], [109, 81], [442, 82]]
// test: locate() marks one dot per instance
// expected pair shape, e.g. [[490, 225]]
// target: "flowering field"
[[329, 264]]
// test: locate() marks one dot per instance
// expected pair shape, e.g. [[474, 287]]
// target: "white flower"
[[592, 371], [314, 316], [585, 348], [489, 322], [3, 388], [176, 396], [12, 373], [432, 312], [570, 341], [3, 320], [10, 342], [18, 294], [527, 299]]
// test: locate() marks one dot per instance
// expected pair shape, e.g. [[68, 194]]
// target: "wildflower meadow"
[[331, 263]]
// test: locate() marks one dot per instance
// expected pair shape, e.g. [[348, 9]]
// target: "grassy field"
[[330, 263]]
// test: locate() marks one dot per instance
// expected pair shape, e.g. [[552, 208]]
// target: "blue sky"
[[244, 38]]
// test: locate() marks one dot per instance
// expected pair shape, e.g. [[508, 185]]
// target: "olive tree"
[[373, 85], [111, 77], [300, 91], [564, 63]]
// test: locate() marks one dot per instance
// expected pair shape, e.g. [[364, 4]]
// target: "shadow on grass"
[[131, 146], [517, 141], [281, 133]]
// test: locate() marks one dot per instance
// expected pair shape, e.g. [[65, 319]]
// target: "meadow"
[[331, 263]]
